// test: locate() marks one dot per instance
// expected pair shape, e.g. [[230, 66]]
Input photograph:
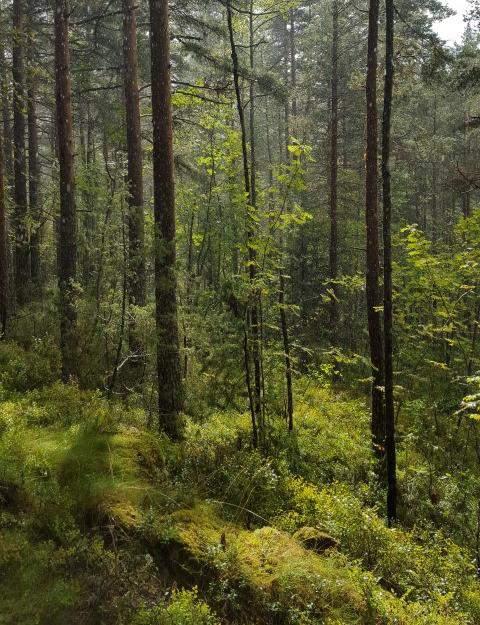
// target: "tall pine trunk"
[[256, 304], [21, 249], [33, 166], [136, 264], [390, 448], [333, 257], [170, 389], [371, 214], [67, 227], [7, 126], [3, 251]]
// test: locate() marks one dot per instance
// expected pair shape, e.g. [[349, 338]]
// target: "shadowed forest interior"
[[239, 313]]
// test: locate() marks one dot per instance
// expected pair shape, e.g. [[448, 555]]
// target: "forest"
[[239, 313]]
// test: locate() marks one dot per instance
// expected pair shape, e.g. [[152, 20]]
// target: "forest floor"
[[103, 521]]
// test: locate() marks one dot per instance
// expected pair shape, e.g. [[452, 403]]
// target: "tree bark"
[[256, 339], [67, 227], [136, 270], [434, 206], [33, 168], [3, 251], [170, 388], [390, 447], [21, 253], [286, 347], [252, 256], [293, 65], [333, 257], [7, 126], [371, 214]]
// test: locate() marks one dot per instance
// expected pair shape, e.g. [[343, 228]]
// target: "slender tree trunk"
[[67, 226], [255, 318], [7, 127], [333, 258], [286, 349], [252, 257], [22, 269], [371, 213], [170, 388], [390, 447], [33, 168], [3, 251], [466, 205], [136, 270], [293, 65], [434, 175]]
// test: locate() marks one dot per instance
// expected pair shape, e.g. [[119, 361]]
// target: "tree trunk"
[[136, 270], [7, 127], [170, 390], [67, 227], [333, 258], [371, 214], [22, 270], [33, 168], [293, 66], [434, 175], [390, 447], [3, 251], [286, 348], [252, 256], [256, 339]]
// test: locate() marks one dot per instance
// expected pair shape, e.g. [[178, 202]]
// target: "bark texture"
[[33, 166], [374, 299], [170, 391], [390, 447], [21, 246], [67, 225], [3, 251], [136, 270], [333, 256]]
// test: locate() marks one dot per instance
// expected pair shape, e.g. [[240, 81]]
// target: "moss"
[[93, 522]]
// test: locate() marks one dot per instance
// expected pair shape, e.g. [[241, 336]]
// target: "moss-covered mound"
[[103, 522]]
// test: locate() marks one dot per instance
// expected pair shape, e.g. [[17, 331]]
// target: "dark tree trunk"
[[371, 213], [3, 252], [256, 339], [21, 254], [33, 168], [67, 227], [390, 447], [466, 204], [252, 256], [293, 65], [434, 206], [136, 270], [286, 349], [333, 258], [170, 390], [7, 127]]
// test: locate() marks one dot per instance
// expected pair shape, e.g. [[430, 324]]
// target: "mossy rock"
[[261, 568], [315, 540]]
